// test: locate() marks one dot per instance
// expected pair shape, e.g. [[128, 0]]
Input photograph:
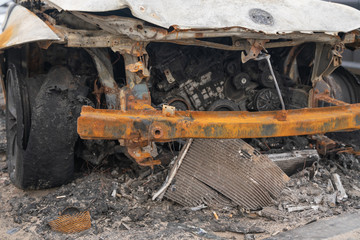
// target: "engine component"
[[232, 66], [197, 78], [267, 100], [267, 80], [297, 98], [169, 77], [263, 65], [224, 105], [180, 104], [275, 79], [196, 74], [241, 80], [204, 92]]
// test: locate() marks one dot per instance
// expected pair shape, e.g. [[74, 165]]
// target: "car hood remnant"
[[269, 17], [22, 26]]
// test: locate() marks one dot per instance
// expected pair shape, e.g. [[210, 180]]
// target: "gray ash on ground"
[[118, 196], [120, 203], [2, 131]]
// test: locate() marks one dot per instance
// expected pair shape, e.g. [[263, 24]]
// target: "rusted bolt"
[[157, 132], [142, 9]]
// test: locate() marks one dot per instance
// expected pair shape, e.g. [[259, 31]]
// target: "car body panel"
[[257, 15], [23, 26]]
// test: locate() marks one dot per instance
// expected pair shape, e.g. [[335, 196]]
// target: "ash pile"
[[323, 181]]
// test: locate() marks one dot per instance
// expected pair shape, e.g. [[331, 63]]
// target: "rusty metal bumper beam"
[[154, 125]]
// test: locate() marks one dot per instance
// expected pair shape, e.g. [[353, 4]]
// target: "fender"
[[23, 26]]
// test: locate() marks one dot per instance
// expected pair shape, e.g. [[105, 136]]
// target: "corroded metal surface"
[[146, 125], [106, 76], [325, 97], [140, 31], [226, 172]]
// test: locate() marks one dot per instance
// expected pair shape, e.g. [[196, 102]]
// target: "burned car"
[[134, 75]]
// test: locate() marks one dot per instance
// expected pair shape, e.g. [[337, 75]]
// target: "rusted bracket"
[[349, 150], [253, 50], [325, 97], [135, 96], [141, 157], [327, 59], [139, 68], [153, 125], [324, 144], [106, 76]]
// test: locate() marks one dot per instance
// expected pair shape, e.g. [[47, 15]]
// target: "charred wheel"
[[41, 127], [17, 122]]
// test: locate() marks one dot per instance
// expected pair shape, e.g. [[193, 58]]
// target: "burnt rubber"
[[344, 85], [45, 157]]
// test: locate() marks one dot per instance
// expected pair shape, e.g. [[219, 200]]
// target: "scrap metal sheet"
[[270, 17], [226, 172], [23, 26]]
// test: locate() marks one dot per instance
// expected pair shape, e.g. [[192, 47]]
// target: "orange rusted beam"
[[153, 125]]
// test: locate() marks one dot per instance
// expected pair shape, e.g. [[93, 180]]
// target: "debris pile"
[[118, 195]]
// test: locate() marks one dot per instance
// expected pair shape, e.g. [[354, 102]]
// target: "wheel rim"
[[18, 119], [12, 124]]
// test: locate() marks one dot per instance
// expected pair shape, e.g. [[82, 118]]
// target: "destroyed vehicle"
[[134, 75]]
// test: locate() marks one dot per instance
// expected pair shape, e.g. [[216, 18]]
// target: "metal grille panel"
[[226, 172]]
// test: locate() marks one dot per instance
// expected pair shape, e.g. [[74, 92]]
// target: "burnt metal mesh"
[[71, 223], [226, 172]]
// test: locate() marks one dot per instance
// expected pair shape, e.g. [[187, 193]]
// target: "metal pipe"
[[275, 82]]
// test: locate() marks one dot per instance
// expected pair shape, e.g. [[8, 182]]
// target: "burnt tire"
[[344, 85], [42, 140]]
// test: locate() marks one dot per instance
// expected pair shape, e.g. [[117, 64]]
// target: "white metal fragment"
[[197, 208], [330, 187], [22, 26], [160, 193], [298, 208], [341, 196], [113, 194]]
